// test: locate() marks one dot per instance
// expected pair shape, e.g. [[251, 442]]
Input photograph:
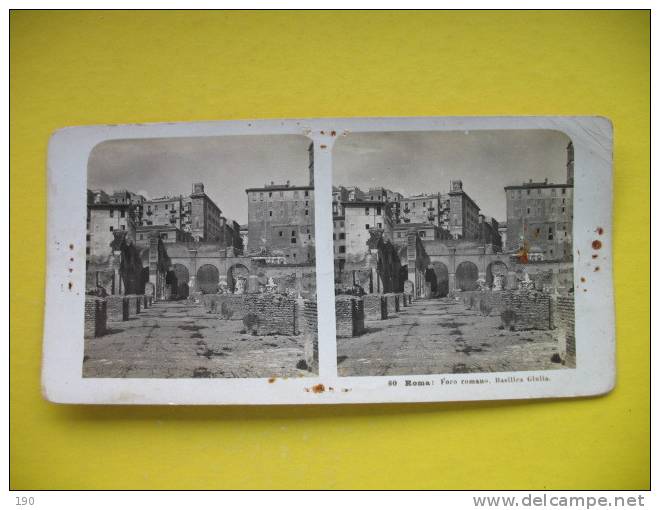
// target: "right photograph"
[[453, 252]]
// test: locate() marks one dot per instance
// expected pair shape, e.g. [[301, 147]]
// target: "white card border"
[[62, 380]]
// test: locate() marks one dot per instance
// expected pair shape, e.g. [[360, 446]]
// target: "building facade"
[[359, 218], [281, 221]]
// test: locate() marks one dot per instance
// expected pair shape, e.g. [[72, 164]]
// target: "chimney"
[[198, 187]]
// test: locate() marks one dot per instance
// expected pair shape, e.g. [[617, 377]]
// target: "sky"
[[426, 162], [410, 163], [226, 165]]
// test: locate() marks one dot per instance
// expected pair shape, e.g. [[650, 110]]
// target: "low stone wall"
[[96, 316], [276, 313], [117, 307], [375, 307], [349, 315], [563, 308], [234, 305], [310, 330], [519, 309]]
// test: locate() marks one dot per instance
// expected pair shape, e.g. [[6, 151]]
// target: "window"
[[295, 194], [367, 226], [156, 207], [342, 235], [398, 234], [528, 192], [306, 193], [112, 213], [261, 196], [423, 204], [141, 237], [550, 234], [538, 192], [111, 229], [306, 203], [270, 213], [270, 194], [341, 224], [294, 255], [293, 233], [378, 210], [281, 193], [334, 237], [422, 234], [372, 197], [281, 233], [163, 237], [123, 227], [528, 210], [306, 212], [554, 191], [123, 214], [254, 197], [87, 250], [563, 191], [563, 209], [380, 225], [342, 249], [366, 211]]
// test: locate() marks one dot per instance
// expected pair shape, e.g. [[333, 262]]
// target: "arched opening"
[[467, 275], [431, 279], [442, 279], [180, 288], [237, 276], [496, 269], [208, 278]]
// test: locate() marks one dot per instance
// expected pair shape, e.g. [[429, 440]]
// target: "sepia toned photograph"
[[453, 252], [200, 258]]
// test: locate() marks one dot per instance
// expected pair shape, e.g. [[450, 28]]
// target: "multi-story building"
[[490, 232], [540, 216], [425, 231], [168, 234], [167, 211], [103, 219], [362, 216], [464, 220], [281, 219], [420, 209]]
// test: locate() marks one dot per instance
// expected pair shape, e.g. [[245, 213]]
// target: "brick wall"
[[117, 308], [276, 313], [531, 309], [564, 320], [95, 317], [310, 328], [375, 307], [349, 316], [235, 303]]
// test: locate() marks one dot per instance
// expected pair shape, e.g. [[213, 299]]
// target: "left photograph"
[[200, 258]]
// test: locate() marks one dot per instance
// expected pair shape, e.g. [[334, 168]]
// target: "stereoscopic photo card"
[[317, 261]]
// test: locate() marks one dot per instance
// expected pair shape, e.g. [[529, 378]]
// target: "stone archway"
[[496, 268], [442, 279], [180, 288], [467, 274], [208, 278], [235, 274], [432, 281]]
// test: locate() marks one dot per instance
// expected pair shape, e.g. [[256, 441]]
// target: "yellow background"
[[73, 68]]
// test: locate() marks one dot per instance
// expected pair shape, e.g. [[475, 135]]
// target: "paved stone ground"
[[440, 336], [179, 339]]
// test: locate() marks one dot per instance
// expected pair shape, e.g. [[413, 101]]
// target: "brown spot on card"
[[583, 279], [596, 245], [70, 247], [271, 380], [600, 231], [318, 388], [70, 285], [597, 268], [324, 146], [594, 256]]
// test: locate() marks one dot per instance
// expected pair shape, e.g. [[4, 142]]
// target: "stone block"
[[375, 307], [95, 317], [349, 316], [276, 313], [117, 308]]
